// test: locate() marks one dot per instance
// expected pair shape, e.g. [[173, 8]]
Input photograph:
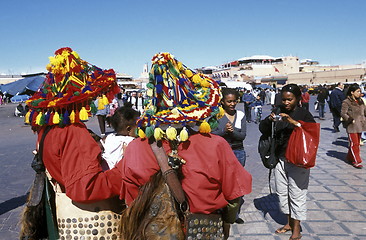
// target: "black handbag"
[[267, 148], [267, 152], [38, 220]]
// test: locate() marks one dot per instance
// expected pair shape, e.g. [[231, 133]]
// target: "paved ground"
[[336, 199]]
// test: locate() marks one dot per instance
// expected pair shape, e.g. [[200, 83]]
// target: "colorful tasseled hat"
[[179, 99], [68, 90]]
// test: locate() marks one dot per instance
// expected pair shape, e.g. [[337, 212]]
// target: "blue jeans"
[[240, 155], [321, 109]]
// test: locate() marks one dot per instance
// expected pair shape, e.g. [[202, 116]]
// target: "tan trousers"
[[291, 187]]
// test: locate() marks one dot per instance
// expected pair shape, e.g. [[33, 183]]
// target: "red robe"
[[72, 157], [212, 174]]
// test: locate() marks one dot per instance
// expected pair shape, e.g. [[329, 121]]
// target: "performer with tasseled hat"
[[71, 156], [175, 139]]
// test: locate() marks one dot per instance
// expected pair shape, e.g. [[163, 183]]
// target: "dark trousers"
[[336, 117], [321, 109], [248, 112], [101, 121]]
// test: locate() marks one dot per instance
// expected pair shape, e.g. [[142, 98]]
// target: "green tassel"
[[42, 121], [149, 131], [93, 108], [173, 70], [36, 102], [213, 123], [61, 124], [136, 131]]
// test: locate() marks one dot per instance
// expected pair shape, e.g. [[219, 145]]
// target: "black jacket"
[[336, 98], [284, 129]]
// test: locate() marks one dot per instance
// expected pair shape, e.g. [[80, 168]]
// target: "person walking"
[[291, 181], [248, 99], [322, 99], [305, 98], [335, 105], [102, 104], [354, 115]]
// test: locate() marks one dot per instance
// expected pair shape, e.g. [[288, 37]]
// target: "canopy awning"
[[22, 85]]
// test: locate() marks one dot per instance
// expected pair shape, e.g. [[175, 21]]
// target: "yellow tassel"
[[221, 113], [171, 133], [158, 134], [141, 133], [100, 104], [205, 83], [26, 118], [76, 55], [105, 100], [180, 66], [205, 127], [197, 79], [165, 76], [72, 117], [188, 73], [38, 118], [83, 114], [56, 118], [183, 135]]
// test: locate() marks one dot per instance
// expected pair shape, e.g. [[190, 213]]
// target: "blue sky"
[[124, 35]]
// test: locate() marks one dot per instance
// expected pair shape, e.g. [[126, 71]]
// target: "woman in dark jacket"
[[291, 181], [353, 113]]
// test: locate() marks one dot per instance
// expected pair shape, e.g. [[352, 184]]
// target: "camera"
[[277, 118]]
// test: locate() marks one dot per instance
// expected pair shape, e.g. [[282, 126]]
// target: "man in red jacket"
[[70, 155], [181, 108], [305, 98]]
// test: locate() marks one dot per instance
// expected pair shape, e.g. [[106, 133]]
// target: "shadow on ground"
[[340, 143], [13, 203], [328, 129], [339, 155], [269, 204]]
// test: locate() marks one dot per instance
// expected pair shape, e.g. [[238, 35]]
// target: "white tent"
[[235, 84]]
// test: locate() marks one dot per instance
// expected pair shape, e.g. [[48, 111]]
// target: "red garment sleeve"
[[236, 181], [72, 157], [136, 167]]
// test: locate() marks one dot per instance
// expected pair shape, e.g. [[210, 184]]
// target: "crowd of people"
[[176, 155]]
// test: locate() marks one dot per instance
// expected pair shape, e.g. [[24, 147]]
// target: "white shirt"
[[113, 148]]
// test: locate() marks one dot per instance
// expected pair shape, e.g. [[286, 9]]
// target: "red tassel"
[[34, 117], [50, 122], [77, 116]]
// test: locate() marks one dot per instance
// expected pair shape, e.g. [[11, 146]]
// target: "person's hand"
[[229, 127], [272, 116], [287, 118]]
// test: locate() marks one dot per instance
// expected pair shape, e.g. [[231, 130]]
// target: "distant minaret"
[[145, 72]]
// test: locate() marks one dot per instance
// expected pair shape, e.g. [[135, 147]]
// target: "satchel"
[[303, 145], [204, 226], [90, 220], [267, 148], [196, 226], [152, 215], [37, 219]]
